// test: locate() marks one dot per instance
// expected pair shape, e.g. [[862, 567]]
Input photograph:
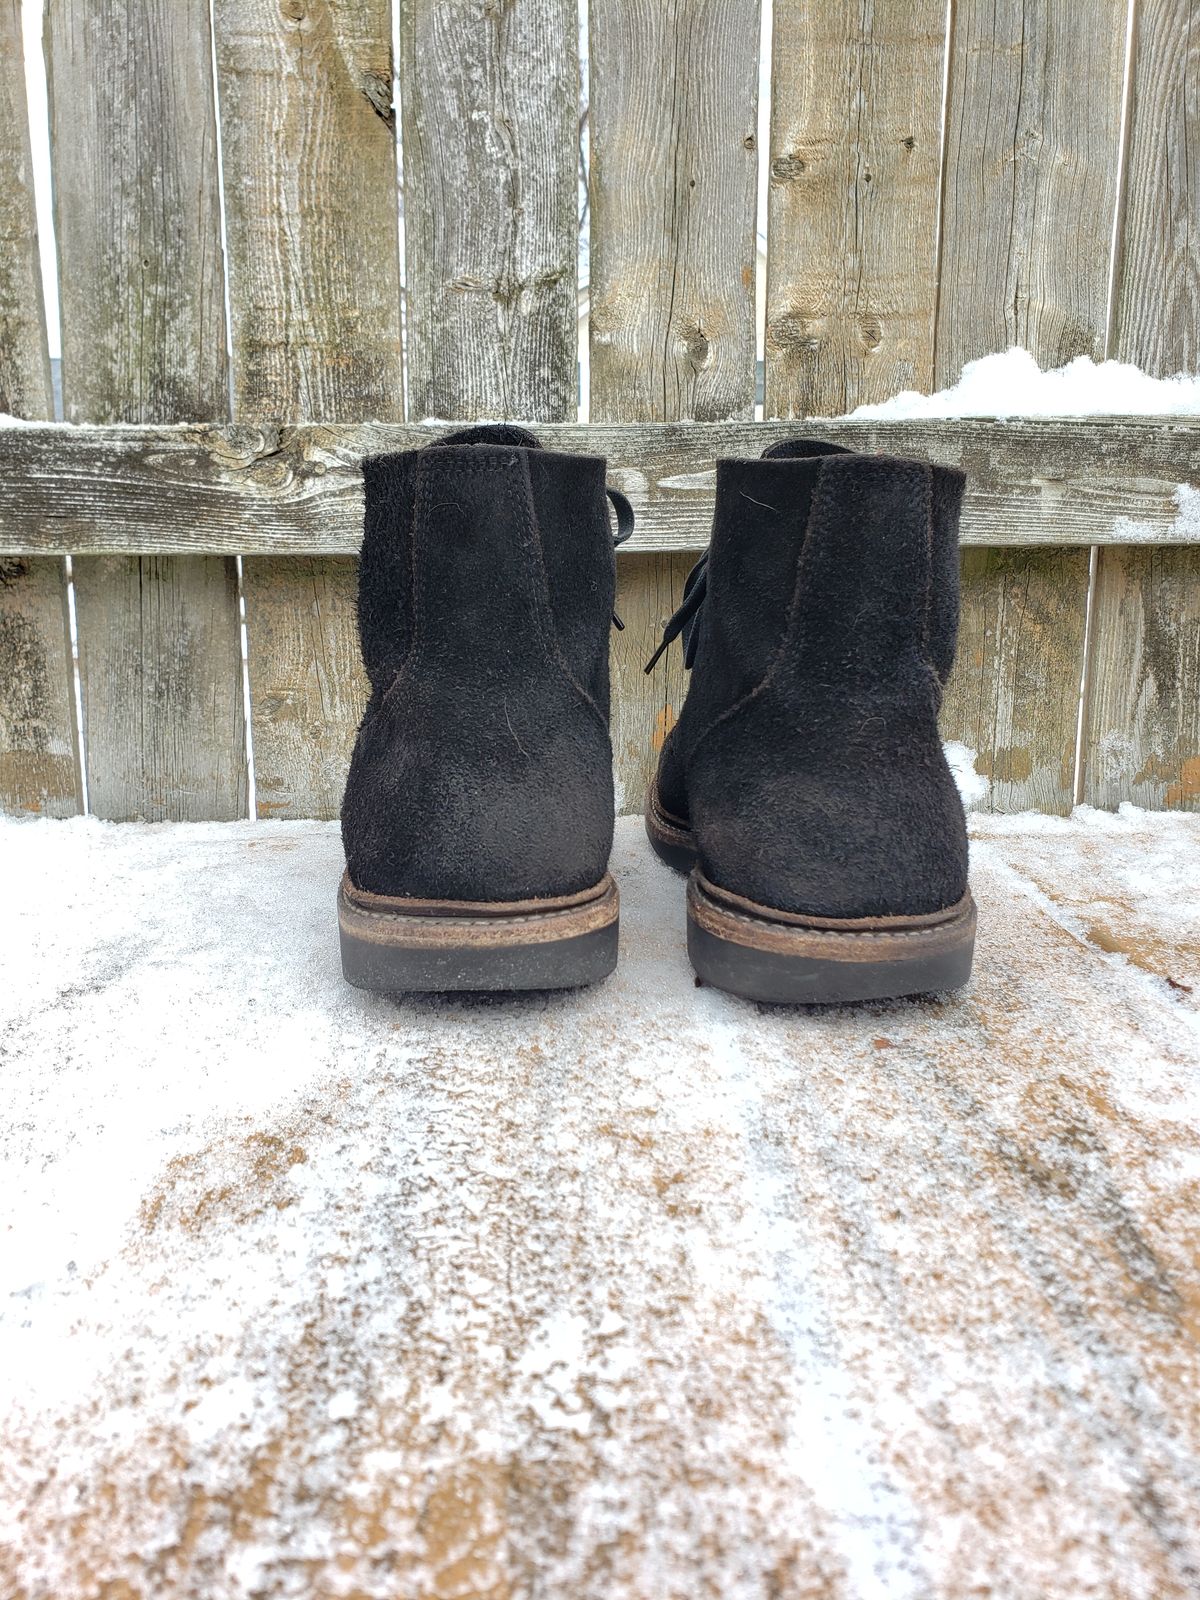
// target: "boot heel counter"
[[825, 788], [519, 810], [485, 769]]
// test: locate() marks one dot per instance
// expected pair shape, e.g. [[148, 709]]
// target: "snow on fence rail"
[[902, 245]]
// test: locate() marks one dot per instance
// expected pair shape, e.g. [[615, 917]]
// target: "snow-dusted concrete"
[[631, 1294]]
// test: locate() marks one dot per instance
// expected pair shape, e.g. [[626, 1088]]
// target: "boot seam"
[[543, 610], [739, 705]]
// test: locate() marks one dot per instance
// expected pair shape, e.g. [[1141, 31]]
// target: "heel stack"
[[777, 956], [394, 945]]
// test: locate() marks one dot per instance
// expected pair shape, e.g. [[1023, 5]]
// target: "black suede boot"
[[804, 785], [478, 814]]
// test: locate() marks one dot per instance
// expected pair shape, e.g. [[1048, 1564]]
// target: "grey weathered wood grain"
[[1142, 727], [853, 200], [308, 136], [490, 109], [1157, 312], [1142, 735], [159, 707], [308, 140], [38, 756], [25, 389], [142, 297], [136, 211], [298, 490], [674, 88], [1013, 696], [307, 681], [1029, 189], [673, 170]]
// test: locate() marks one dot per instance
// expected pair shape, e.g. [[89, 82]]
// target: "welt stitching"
[[759, 923]]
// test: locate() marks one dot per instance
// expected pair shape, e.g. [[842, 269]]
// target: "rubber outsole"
[[786, 958], [394, 945]]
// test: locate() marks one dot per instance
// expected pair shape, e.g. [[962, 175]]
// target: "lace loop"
[[686, 617], [624, 528], [624, 515]]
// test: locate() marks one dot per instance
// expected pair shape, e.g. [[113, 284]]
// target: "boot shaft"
[[482, 770], [484, 553], [806, 760], [831, 568]]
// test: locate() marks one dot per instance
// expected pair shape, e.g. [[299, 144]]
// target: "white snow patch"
[[973, 785], [1011, 384], [635, 1291]]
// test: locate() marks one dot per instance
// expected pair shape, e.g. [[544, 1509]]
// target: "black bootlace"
[[624, 528], [686, 618]]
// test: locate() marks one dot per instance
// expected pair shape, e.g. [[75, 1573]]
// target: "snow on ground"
[[636, 1293], [1011, 384]]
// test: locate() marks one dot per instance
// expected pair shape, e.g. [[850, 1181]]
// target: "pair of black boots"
[[803, 788]]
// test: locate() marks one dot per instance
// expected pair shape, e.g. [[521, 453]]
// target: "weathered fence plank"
[[490, 105], [308, 137], [1014, 693], [298, 490], [853, 203], [1143, 717], [39, 761], [674, 92], [1029, 194], [673, 120], [1030, 181], [39, 756], [142, 295], [167, 712], [1156, 321], [25, 389], [308, 140], [1143, 707]]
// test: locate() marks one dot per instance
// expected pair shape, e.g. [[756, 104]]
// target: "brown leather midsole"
[[396, 919], [669, 828], [740, 921]]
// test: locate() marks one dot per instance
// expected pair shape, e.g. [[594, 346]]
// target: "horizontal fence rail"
[[940, 183], [271, 490]]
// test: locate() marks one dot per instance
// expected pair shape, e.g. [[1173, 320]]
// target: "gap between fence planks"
[[142, 294], [298, 490], [39, 756]]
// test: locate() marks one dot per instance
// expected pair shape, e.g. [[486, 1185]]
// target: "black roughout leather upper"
[[482, 768], [807, 757]]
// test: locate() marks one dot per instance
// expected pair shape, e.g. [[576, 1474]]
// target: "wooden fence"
[[1055, 204]]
